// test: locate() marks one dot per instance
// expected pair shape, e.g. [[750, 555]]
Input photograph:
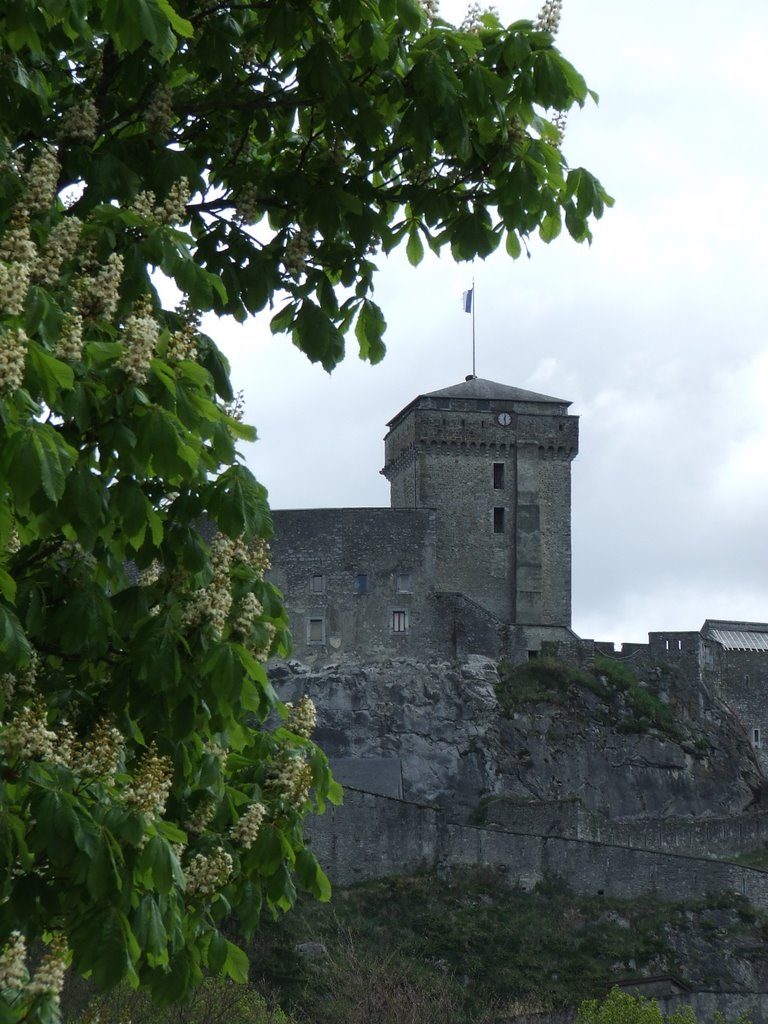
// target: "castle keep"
[[474, 554]]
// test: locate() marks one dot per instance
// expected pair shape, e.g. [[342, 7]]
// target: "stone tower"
[[495, 463]]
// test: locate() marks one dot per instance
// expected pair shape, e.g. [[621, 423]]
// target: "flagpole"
[[474, 303]]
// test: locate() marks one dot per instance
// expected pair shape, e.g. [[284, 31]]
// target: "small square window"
[[317, 584], [498, 520], [498, 476], [404, 583], [399, 621], [361, 583], [316, 631]]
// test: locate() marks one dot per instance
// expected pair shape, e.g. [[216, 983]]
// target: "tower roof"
[[478, 389]]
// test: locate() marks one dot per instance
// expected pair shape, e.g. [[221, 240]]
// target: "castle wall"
[[744, 687], [374, 836], [358, 580]]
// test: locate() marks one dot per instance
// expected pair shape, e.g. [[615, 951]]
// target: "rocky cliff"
[[459, 737]]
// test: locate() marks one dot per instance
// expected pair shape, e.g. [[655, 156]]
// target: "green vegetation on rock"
[[631, 704], [466, 944]]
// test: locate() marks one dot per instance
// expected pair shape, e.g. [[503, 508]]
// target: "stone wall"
[[705, 836], [373, 836]]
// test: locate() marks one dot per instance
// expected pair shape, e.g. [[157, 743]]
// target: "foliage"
[[646, 709], [244, 153], [539, 679], [634, 706], [465, 937], [215, 1001], [623, 1008]]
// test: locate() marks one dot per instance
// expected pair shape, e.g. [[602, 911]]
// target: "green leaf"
[[551, 226], [7, 586], [369, 331], [13, 643], [103, 943], [236, 963], [414, 249], [158, 858], [149, 928], [513, 245]]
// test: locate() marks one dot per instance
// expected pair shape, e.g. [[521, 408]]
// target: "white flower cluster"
[[61, 246], [13, 357], [149, 576], [249, 609], [559, 121], [69, 344], [98, 294], [236, 408], [220, 753], [48, 979], [247, 205], [18, 258], [159, 113], [473, 18], [151, 784], [202, 815], [174, 208], [27, 735], [42, 180], [549, 16], [13, 963], [182, 344], [208, 872], [140, 336], [66, 744], [431, 8], [7, 686], [99, 754], [291, 779], [262, 653], [80, 121], [247, 828], [302, 719], [213, 602], [296, 251], [258, 559]]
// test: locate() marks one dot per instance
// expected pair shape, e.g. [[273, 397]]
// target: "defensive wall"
[[373, 836], [710, 836]]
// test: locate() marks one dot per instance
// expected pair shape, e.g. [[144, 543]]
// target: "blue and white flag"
[[466, 300]]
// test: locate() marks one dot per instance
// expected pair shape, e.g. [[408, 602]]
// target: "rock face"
[[434, 733]]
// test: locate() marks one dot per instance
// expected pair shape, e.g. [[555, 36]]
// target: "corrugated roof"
[[737, 636], [740, 639]]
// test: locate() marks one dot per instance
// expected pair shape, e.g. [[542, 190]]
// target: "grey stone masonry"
[[478, 538]]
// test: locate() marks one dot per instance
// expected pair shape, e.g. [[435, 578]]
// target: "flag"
[[466, 300]]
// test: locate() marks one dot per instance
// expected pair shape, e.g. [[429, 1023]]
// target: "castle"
[[400, 617], [474, 554]]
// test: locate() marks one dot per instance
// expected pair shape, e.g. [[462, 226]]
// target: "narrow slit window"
[[498, 476], [756, 737], [317, 584], [361, 583], [399, 621], [404, 583], [498, 520], [316, 631]]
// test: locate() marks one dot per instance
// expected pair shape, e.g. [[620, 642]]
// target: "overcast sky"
[[656, 333]]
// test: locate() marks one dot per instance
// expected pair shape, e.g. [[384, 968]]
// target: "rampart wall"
[[710, 836], [374, 836]]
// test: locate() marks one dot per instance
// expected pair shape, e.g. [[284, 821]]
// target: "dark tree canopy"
[[256, 154]]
